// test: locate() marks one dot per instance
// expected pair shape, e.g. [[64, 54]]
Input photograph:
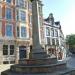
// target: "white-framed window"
[[52, 32], [11, 49], [9, 13], [53, 41], [21, 3], [8, 49], [5, 49], [9, 30], [57, 42], [48, 41], [47, 31], [22, 15], [56, 33], [23, 32]]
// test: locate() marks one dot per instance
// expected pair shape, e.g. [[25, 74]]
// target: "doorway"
[[22, 52]]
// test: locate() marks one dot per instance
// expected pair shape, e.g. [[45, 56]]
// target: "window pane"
[[8, 13], [47, 31], [30, 6], [48, 40], [25, 4], [5, 49], [11, 49], [52, 32], [9, 1], [23, 32], [8, 30], [53, 41], [56, 33], [5, 62], [23, 15], [21, 3], [57, 42]]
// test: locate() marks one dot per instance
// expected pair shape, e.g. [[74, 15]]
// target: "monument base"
[[37, 55], [47, 66]]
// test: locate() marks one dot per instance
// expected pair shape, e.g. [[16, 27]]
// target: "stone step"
[[38, 68], [38, 61], [68, 71]]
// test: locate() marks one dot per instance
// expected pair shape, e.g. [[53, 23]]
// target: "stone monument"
[[37, 51], [39, 64]]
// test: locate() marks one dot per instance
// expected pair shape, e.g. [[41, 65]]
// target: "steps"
[[48, 66], [39, 68], [38, 61]]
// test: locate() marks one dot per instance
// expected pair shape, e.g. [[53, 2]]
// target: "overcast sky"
[[63, 11]]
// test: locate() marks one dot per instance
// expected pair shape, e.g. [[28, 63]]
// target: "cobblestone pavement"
[[71, 61], [4, 67]]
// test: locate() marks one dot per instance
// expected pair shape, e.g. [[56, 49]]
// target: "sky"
[[63, 11]]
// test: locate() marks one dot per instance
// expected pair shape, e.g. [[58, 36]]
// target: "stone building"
[[54, 38], [16, 29]]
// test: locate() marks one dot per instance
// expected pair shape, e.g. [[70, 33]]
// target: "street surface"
[[4, 67], [71, 61]]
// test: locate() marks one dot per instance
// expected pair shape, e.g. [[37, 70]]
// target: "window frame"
[[20, 15], [17, 3], [5, 50], [23, 32], [11, 13], [52, 32], [56, 33], [47, 31], [8, 24], [12, 49]]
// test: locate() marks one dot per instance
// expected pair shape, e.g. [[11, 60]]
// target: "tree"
[[70, 40]]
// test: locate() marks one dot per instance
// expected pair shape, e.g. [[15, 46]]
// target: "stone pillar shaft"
[[35, 24], [37, 51]]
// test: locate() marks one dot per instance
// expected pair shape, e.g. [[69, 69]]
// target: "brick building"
[[16, 29]]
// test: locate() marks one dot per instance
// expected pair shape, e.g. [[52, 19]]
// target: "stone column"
[[37, 51], [17, 55]]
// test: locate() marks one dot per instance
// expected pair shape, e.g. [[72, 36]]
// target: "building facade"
[[16, 29], [54, 38]]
